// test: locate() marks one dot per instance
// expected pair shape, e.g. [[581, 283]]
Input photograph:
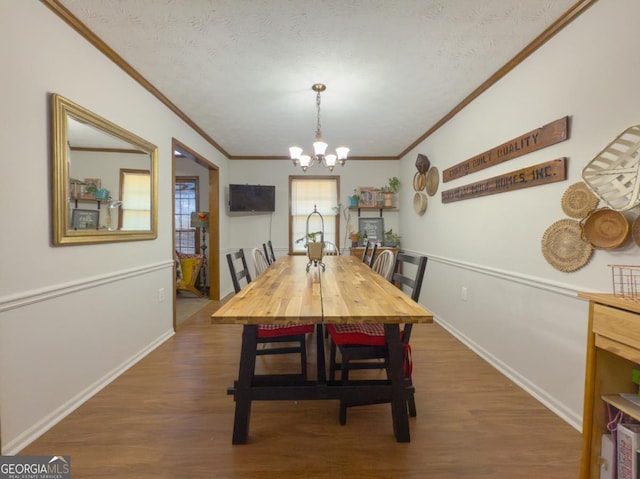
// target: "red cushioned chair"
[[359, 342], [269, 333], [268, 252], [369, 253]]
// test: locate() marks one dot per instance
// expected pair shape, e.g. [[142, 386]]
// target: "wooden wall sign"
[[549, 134], [541, 174]]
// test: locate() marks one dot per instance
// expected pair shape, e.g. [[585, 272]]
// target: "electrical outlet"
[[160, 295], [464, 293]]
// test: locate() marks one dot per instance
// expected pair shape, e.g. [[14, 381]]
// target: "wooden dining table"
[[346, 291]]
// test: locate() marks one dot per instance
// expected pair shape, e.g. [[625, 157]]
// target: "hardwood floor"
[[170, 417]]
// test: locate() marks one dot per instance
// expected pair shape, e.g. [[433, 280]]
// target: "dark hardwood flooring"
[[170, 417]]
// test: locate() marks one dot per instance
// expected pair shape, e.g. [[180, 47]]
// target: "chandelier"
[[319, 146]]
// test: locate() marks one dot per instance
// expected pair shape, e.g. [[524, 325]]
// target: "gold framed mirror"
[[105, 179]]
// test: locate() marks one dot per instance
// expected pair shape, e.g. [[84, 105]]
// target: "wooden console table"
[[613, 350]]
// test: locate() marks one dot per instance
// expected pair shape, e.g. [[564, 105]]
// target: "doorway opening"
[[186, 163]]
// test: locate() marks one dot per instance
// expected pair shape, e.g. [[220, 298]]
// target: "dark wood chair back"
[[268, 252], [369, 253], [413, 282], [236, 273]]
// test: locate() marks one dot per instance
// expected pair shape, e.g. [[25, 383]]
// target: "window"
[[135, 186], [305, 193], [186, 201]]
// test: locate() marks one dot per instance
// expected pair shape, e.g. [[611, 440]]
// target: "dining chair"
[[270, 333], [260, 262], [268, 252], [330, 249], [383, 264], [369, 253], [358, 342]]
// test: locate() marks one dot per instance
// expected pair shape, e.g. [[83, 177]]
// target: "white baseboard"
[[34, 432], [550, 402]]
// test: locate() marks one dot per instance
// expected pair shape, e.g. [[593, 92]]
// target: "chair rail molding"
[[564, 289], [27, 298]]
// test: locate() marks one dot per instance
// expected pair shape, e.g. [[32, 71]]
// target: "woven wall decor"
[[422, 163], [433, 180], [578, 201], [613, 173], [419, 181], [635, 231], [563, 246], [605, 228], [420, 203]]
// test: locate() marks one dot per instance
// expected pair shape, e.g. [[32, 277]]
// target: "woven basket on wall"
[[433, 179], [563, 246], [419, 181], [605, 228], [578, 201], [422, 163], [613, 174]]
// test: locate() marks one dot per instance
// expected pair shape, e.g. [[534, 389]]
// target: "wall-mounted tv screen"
[[252, 198]]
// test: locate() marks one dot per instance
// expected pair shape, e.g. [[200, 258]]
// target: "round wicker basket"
[[420, 203], [563, 246], [605, 228], [422, 163], [635, 230], [433, 178], [419, 181], [578, 201]]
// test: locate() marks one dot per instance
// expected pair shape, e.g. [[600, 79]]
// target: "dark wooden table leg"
[[243, 385], [398, 385]]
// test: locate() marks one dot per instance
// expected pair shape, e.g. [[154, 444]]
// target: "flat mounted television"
[[252, 198]]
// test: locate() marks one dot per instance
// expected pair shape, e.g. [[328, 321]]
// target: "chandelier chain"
[[318, 128]]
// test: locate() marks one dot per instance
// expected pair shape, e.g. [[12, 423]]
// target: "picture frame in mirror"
[[85, 219]]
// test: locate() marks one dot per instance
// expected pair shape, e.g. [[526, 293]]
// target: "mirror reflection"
[[105, 179]]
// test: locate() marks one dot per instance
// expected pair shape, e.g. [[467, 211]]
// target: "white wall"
[[72, 318], [522, 314], [253, 229]]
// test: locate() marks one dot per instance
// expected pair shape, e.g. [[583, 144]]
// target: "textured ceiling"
[[242, 70]]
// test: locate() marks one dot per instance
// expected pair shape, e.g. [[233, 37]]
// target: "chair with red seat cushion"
[[268, 252], [369, 253], [383, 264], [260, 261], [270, 333], [359, 342]]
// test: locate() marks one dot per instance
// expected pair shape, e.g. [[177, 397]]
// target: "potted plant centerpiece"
[[310, 236], [389, 191], [314, 247]]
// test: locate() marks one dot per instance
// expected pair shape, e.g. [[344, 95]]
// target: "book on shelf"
[[628, 442]]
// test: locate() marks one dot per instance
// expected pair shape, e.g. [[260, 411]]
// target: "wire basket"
[[626, 281]]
